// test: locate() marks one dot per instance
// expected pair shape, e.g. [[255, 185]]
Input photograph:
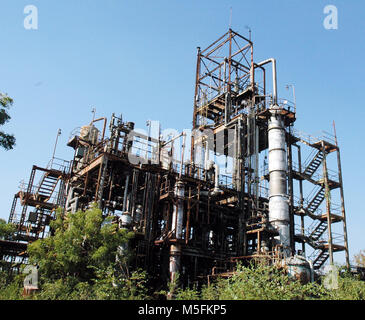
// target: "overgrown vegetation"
[[262, 282], [6, 229], [7, 141], [87, 259], [83, 260]]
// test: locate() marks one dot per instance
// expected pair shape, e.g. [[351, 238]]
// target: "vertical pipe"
[[235, 158], [197, 79], [187, 234], [257, 154], [301, 195], [291, 191], [125, 193], [102, 175], [182, 154], [230, 61], [177, 223], [274, 78], [252, 71]]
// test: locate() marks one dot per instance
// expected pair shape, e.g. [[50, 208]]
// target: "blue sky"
[[138, 58]]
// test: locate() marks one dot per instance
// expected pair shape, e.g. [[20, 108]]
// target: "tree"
[[6, 229], [7, 141], [85, 259]]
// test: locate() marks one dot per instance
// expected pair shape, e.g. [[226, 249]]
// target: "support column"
[[328, 204]]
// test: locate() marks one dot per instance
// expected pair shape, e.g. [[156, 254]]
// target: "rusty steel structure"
[[240, 191]]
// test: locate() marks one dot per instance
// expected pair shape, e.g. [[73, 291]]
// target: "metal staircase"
[[12, 210], [314, 164], [318, 231], [321, 259], [47, 186], [317, 200]]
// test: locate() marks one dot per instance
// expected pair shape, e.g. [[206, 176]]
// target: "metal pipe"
[[101, 180], [125, 193], [274, 78], [177, 224], [54, 150], [312, 269], [182, 154], [178, 213], [104, 126], [206, 154], [216, 179]]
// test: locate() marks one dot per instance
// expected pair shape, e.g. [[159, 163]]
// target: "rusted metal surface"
[[209, 225]]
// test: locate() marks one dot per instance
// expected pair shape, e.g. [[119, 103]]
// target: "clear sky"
[[138, 58]]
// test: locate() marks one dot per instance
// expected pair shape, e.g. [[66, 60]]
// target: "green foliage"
[[87, 259], [83, 242], [6, 230], [349, 288], [262, 282], [7, 141], [83, 260], [12, 290]]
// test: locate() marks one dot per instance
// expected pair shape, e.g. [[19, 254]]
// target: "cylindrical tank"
[[84, 132], [299, 269], [126, 219], [89, 133], [138, 214]]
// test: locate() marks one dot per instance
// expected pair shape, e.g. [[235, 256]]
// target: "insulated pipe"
[[125, 193], [312, 270], [206, 155], [278, 198], [177, 224], [274, 78], [177, 217], [216, 180]]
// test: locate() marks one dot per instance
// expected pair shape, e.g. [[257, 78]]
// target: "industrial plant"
[[243, 184]]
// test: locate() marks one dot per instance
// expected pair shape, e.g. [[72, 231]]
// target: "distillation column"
[[278, 198]]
